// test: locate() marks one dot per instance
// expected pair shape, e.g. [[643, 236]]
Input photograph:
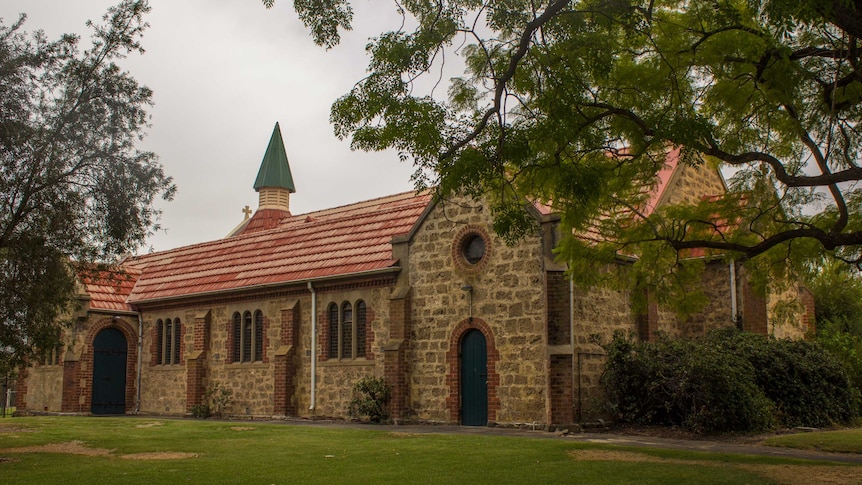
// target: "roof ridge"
[[142, 259], [341, 208]]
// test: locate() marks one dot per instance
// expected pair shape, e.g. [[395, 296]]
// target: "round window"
[[473, 248]]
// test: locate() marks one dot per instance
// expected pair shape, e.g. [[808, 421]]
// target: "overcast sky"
[[223, 72]]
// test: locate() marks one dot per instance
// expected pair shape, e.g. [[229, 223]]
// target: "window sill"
[[247, 365], [167, 367], [362, 361]]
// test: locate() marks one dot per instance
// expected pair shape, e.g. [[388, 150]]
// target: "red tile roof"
[[341, 241], [109, 289]]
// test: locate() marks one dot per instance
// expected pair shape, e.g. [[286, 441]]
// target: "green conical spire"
[[274, 169]]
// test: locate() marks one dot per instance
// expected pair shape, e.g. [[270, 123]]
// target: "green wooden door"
[[109, 372], [474, 379]]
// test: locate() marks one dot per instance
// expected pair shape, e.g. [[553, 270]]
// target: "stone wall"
[[287, 335], [67, 385], [715, 284], [691, 184], [598, 312], [506, 298], [44, 388], [787, 313]]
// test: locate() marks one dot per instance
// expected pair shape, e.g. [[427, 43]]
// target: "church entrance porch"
[[109, 372]]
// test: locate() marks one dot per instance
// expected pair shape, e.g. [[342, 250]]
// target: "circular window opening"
[[473, 248]]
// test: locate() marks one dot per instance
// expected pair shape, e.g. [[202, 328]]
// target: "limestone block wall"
[[163, 390], [507, 296], [691, 184], [163, 387], [715, 283], [44, 388], [336, 377], [600, 312], [787, 313], [253, 384]]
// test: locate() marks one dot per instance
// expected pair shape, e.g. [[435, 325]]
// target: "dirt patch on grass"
[[783, 474], [398, 434], [150, 425], [69, 448], [242, 428], [78, 448], [14, 429], [159, 455]]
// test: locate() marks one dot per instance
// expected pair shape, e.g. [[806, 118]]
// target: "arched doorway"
[[474, 379], [109, 372]]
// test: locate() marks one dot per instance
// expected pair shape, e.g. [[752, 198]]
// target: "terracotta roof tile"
[[109, 289], [340, 241]]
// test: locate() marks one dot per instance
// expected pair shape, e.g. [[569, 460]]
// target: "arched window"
[[332, 313], [169, 332], [177, 340], [168, 341], [360, 328], [247, 337], [346, 330], [258, 336], [160, 341], [236, 332]]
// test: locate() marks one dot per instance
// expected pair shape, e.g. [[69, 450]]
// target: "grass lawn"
[[843, 441], [127, 451]]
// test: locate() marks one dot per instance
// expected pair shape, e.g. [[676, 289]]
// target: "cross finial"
[[247, 211]]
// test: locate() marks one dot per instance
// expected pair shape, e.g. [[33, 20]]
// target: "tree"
[[837, 290], [575, 103], [74, 188]]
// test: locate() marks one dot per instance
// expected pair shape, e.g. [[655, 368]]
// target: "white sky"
[[223, 72]]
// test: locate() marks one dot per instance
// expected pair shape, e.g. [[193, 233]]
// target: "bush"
[[728, 381], [215, 402], [846, 348], [808, 386], [370, 395], [684, 383]]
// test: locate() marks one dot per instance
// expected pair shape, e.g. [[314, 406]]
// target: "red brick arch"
[[85, 371], [453, 376]]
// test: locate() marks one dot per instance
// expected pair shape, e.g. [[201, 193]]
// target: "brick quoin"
[[809, 323], [453, 376], [395, 356], [561, 383], [196, 367], [71, 392], [753, 311], [21, 387], [647, 321], [559, 328], [286, 365]]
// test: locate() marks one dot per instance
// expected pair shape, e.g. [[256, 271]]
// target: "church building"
[[290, 311]]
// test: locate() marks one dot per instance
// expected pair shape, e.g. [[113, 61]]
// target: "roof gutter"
[[304, 281]]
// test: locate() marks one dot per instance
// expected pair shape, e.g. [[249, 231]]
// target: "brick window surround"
[[461, 239]]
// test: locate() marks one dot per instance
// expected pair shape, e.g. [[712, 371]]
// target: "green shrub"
[[808, 386], [684, 383], [728, 381], [370, 395], [215, 402], [846, 348]]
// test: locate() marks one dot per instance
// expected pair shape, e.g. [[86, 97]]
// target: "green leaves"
[[74, 186], [577, 104]]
